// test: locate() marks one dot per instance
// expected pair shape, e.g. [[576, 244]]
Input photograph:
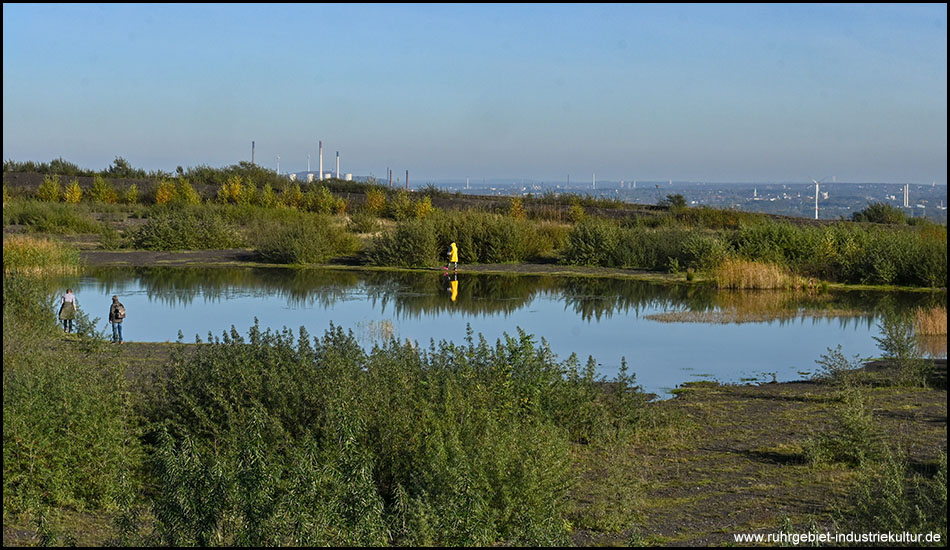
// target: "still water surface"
[[753, 337]]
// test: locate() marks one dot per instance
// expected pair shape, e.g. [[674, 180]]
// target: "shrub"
[[266, 441], [73, 193], [900, 345], [131, 195], [307, 242], [50, 189], [45, 217], [165, 192], [375, 203], [101, 191], [292, 196], [322, 201], [880, 212], [231, 191], [400, 207], [363, 222], [185, 229], [422, 208], [411, 244], [267, 197], [186, 194], [68, 436], [592, 242]]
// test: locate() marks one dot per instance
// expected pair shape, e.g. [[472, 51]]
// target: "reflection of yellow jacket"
[[454, 257], [454, 286]]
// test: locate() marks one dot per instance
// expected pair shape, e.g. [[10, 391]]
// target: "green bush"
[[68, 435], [307, 241], [880, 212], [50, 190], [281, 440], [44, 217], [593, 242], [102, 191], [411, 244], [185, 229]]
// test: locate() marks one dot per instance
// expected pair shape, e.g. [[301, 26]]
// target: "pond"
[[668, 334]]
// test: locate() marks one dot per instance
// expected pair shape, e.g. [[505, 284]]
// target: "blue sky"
[[726, 93]]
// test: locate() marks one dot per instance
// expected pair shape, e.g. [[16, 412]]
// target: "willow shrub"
[[412, 244], [307, 241], [601, 242], [185, 228], [274, 439], [481, 237], [68, 435]]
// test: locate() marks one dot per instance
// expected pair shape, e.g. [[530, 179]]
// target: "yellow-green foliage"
[[267, 197], [50, 190], [73, 193], [165, 192], [423, 207], [292, 197], [131, 194], [736, 273], [375, 202], [516, 209], [101, 191], [231, 191], [38, 256], [576, 213], [248, 194], [400, 206], [186, 194], [931, 321]]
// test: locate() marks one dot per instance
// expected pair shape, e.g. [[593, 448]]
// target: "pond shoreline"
[[247, 258]]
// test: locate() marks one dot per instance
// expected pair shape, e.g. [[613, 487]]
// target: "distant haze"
[[728, 93]]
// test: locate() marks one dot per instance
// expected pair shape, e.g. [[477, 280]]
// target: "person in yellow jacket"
[[453, 255]]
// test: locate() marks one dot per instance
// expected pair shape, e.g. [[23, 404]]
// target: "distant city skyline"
[[717, 93]]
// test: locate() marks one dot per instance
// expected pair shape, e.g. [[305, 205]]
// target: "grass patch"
[[29, 255]]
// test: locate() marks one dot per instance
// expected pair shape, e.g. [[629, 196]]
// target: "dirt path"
[[740, 469]]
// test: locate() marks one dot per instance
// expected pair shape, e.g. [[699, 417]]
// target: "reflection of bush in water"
[[375, 331], [424, 294]]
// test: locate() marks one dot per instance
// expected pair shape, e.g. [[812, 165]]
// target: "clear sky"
[[719, 93]]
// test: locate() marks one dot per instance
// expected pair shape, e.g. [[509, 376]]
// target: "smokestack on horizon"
[[337, 165], [252, 152], [321, 160]]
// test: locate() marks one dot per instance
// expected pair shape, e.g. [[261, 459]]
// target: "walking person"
[[453, 255], [67, 310], [116, 315]]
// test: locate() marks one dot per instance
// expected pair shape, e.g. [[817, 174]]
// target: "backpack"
[[120, 311]]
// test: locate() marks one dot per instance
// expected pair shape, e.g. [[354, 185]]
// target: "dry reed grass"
[[28, 255], [931, 321], [738, 274]]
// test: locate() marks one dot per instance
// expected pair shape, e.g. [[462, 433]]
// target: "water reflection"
[[411, 295], [728, 336]]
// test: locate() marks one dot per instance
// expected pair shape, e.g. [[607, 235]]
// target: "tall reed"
[[931, 321], [31, 255], [737, 273]]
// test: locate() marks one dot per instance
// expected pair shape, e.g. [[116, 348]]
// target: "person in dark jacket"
[[116, 315]]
